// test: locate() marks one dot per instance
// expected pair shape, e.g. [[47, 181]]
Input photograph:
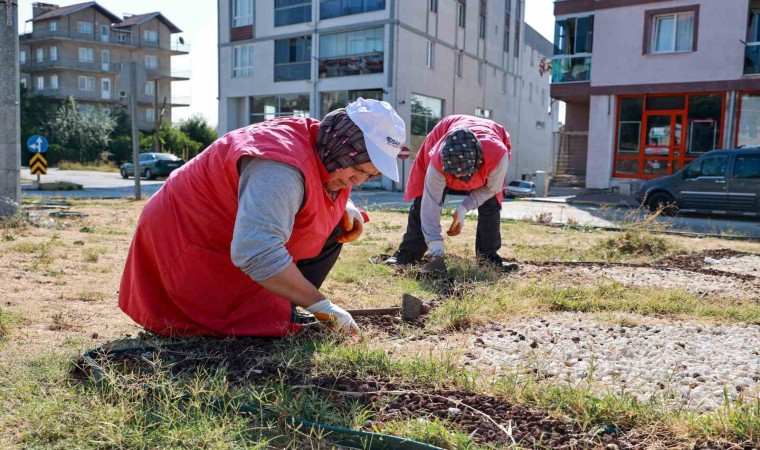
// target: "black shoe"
[[497, 262], [401, 258]]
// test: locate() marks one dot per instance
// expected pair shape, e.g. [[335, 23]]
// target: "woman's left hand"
[[352, 223]]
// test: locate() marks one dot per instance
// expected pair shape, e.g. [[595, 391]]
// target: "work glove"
[[352, 223], [435, 265], [334, 317], [458, 222], [435, 249]]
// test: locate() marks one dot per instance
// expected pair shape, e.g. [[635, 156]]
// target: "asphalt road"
[[111, 185]]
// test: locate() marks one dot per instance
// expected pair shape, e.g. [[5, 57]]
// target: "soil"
[[487, 419]]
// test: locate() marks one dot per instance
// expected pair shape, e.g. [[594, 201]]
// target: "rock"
[[453, 410]]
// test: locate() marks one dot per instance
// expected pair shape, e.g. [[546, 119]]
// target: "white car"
[[520, 189]]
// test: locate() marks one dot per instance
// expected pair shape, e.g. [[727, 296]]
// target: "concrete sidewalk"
[[583, 196]]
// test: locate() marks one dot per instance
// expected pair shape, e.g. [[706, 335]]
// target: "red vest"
[[179, 277], [493, 138]]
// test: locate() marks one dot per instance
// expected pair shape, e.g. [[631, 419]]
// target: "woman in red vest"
[[462, 155], [252, 225]]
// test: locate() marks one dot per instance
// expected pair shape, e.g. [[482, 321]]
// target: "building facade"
[[80, 50], [654, 84], [428, 59]]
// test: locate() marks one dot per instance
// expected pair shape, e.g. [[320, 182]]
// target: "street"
[[111, 185]]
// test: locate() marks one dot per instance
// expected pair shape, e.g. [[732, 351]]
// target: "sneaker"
[[497, 262], [401, 259]]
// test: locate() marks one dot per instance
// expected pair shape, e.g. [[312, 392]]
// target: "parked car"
[[719, 182], [518, 188], [152, 165]]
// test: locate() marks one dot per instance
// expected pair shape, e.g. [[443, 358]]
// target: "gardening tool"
[[411, 309]]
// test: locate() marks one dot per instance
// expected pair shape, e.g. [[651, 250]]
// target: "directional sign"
[[404, 153], [38, 164], [37, 144]]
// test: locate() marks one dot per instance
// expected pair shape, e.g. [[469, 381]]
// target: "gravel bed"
[[745, 265], [681, 363]]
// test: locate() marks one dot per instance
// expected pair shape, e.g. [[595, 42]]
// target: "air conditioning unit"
[[122, 95]]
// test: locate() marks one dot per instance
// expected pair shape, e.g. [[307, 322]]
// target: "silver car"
[[520, 189], [719, 182]]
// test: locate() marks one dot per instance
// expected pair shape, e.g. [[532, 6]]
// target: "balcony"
[[68, 63], [292, 71], [179, 47], [119, 38], [569, 69], [351, 65], [63, 92], [174, 74], [752, 59]]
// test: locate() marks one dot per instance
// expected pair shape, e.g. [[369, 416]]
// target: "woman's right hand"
[[336, 318]]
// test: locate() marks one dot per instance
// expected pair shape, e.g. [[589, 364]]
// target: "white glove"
[[352, 223], [435, 249], [458, 222], [336, 318]]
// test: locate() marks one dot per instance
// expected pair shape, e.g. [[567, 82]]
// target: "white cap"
[[384, 133]]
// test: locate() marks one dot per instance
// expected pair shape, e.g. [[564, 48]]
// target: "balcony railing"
[[153, 72], [351, 65], [180, 100], [111, 38], [292, 71], [63, 92], [566, 69], [752, 58], [68, 63]]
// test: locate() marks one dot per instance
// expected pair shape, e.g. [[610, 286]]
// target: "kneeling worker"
[[463, 154]]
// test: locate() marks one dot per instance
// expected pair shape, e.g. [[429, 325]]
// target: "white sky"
[[197, 20]]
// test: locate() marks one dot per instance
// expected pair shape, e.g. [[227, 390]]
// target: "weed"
[[637, 242], [435, 432], [96, 166], [91, 255], [87, 230], [543, 217], [3, 324], [9, 237]]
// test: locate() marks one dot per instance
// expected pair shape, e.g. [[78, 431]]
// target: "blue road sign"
[[37, 144]]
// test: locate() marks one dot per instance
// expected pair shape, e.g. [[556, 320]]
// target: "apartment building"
[[79, 51], [427, 58], [653, 84]]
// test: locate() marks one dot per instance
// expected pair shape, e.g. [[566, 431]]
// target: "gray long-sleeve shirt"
[[270, 194], [432, 197]]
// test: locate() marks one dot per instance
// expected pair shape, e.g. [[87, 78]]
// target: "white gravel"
[[680, 363]]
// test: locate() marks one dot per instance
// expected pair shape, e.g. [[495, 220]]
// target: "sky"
[[197, 20]]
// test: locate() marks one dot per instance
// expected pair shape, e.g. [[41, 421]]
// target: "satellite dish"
[[181, 41]]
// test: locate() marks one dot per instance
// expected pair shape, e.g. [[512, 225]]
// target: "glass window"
[[271, 106], [86, 55], [288, 12], [627, 167], [747, 166], [710, 166], [242, 13], [339, 99], [150, 116], [84, 27], [150, 36], [22, 57], [507, 20], [629, 125], [662, 103], [292, 59], [574, 36], [426, 113], [749, 120], [337, 8], [704, 123], [39, 83], [673, 33], [485, 113], [242, 61], [53, 25], [86, 83], [352, 53], [461, 13], [151, 62], [39, 54], [753, 31], [150, 88], [433, 5], [460, 64], [429, 54], [53, 53], [54, 81]]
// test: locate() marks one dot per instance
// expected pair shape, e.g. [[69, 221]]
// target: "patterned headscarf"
[[462, 153], [340, 142]]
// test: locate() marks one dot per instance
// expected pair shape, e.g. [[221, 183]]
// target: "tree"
[[88, 133], [197, 128], [175, 141], [35, 112]]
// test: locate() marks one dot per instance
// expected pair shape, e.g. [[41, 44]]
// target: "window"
[[86, 55], [151, 62], [242, 13], [749, 119], [673, 33], [242, 61], [86, 83], [121, 38], [24, 83], [461, 11], [429, 54], [39, 83], [287, 12], [150, 36], [22, 57], [54, 81], [485, 113], [710, 166], [507, 24], [530, 93], [337, 8], [481, 72], [426, 113], [53, 26], [84, 27], [504, 82], [459, 64], [433, 5], [747, 166], [752, 50], [292, 59], [268, 107], [518, 21], [353, 53], [150, 115], [573, 45], [339, 99], [39, 54], [53, 52], [703, 124], [482, 20], [150, 88]]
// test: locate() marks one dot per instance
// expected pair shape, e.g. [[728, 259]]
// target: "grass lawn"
[[58, 299]]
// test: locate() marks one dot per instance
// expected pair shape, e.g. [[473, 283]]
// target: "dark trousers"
[[487, 236], [316, 269]]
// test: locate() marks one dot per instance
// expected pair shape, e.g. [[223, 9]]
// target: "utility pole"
[[10, 120], [133, 116], [156, 117]]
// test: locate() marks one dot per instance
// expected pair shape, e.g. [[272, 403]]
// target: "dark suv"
[[719, 182]]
